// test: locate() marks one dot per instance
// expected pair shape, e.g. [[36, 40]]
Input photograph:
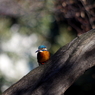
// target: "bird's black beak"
[[37, 51]]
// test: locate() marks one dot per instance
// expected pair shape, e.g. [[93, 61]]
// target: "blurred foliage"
[[26, 24], [79, 14]]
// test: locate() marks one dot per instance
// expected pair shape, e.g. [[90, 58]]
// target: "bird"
[[43, 55]]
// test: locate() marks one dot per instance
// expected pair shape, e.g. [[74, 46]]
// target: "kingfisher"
[[43, 55]]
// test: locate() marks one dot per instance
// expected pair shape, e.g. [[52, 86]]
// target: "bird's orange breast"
[[43, 57]]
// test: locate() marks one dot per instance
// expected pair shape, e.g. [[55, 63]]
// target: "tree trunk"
[[58, 74]]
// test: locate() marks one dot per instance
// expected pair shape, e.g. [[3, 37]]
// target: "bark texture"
[[58, 74]]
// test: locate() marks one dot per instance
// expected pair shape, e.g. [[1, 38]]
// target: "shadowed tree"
[[55, 77], [60, 72]]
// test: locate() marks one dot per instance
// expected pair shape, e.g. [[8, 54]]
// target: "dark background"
[[26, 24]]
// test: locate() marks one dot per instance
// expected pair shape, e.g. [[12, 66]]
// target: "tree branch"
[[57, 75]]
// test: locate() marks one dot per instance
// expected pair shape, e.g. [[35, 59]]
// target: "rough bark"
[[57, 75]]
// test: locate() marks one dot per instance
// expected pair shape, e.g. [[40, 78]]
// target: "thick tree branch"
[[65, 66]]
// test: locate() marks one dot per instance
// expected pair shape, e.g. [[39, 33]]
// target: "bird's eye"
[[41, 48]]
